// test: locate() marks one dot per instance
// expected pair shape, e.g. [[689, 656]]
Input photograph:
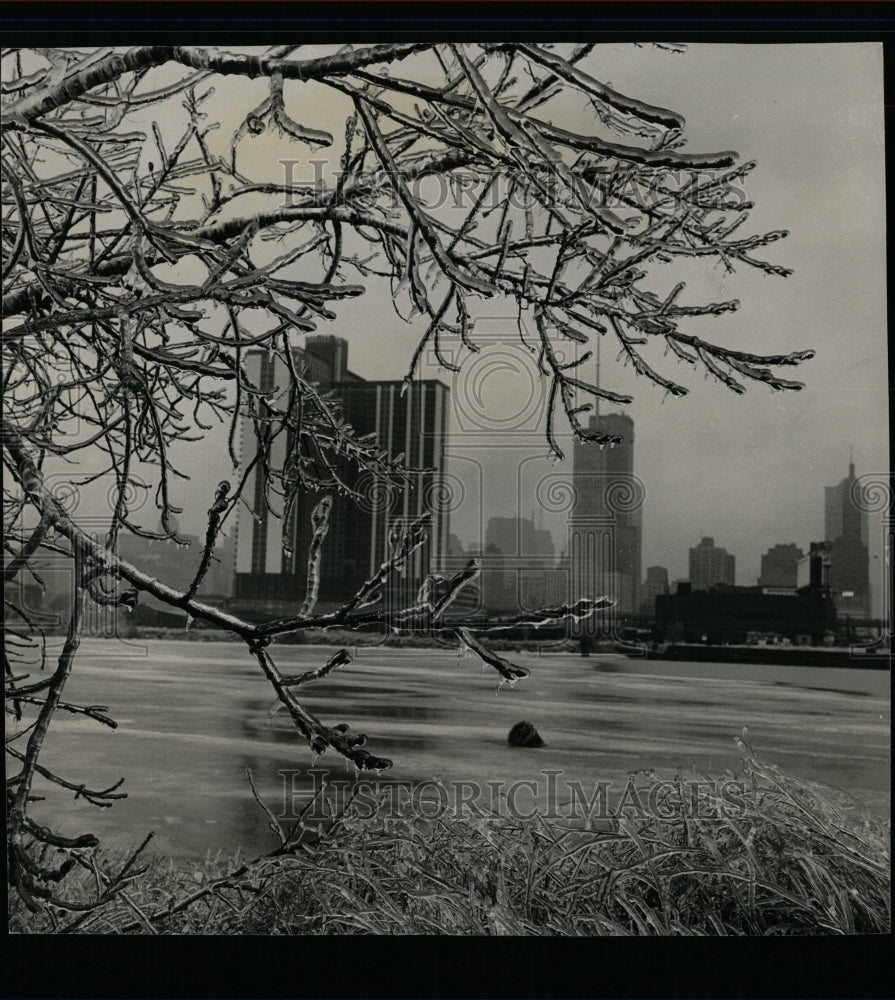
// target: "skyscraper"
[[519, 561], [840, 513], [710, 565], [845, 527], [608, 497], [271, 550]]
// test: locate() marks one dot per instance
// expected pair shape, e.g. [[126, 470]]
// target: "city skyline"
[[779, 561], [746, 469], [845, 536], [619, 459]]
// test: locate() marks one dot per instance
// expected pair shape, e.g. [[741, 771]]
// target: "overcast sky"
[[748, 470]]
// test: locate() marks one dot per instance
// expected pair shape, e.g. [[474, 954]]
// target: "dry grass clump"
[[787, 857], [792, 862]]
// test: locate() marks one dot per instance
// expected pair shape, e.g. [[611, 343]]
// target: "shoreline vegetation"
[[798, 858]]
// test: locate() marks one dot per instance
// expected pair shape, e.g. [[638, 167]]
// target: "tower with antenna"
[[846, 531]]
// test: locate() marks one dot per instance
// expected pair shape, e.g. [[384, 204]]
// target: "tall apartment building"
[[272, 550], [845, 528], [710, 565]]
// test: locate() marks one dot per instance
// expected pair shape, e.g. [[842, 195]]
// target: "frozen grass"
[[797, 859]]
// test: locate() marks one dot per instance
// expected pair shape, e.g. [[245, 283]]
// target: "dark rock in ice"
[[524, 734]]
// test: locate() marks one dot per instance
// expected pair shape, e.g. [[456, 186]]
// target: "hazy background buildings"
[[711, 565], [521, 569], [780, 565]]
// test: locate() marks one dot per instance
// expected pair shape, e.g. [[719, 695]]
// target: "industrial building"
[[726, 614]]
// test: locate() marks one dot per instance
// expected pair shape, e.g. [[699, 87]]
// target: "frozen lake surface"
[[191, 715]]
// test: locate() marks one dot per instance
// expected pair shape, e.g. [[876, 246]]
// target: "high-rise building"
[[655, 584], [779, 566], [710, 565], [518, 536], [842, 518], [845, 526], [527, 565], [494, 581], [607, 516], [272, 543]]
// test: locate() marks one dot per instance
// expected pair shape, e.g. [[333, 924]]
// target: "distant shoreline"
[[843, 657], [349, 638]]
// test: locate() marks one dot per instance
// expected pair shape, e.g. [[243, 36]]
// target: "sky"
[[747, 470]]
